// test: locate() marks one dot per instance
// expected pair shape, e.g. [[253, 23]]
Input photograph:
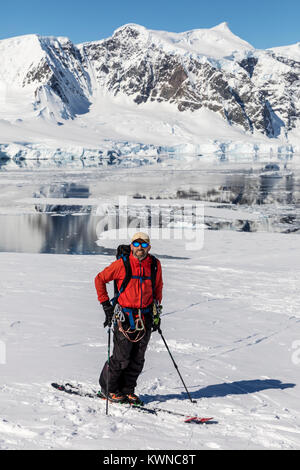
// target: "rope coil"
[[119, 318]]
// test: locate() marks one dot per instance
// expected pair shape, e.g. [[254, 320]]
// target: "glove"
[[157, 309], [109, 313], [156, 324]]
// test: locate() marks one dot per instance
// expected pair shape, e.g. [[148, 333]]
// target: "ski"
[[77, 390]]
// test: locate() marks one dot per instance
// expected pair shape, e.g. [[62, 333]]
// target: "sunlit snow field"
[[230, 310]]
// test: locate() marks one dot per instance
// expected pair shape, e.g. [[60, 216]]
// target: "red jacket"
[[138, 293]]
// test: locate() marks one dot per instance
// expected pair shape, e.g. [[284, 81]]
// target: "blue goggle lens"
[[143, 244]]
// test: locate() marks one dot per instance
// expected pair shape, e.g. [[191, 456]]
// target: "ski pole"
[[176, 367], [108, 357]]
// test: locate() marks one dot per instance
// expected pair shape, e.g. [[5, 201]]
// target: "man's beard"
[[140, 255]]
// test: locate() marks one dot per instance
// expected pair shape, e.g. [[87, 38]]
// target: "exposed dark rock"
[[131, 64]]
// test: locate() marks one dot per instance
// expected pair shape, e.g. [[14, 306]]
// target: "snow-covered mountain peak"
[[222, 27], [19, 39], [129, 28], [292, 51], [216, 42], [224, 32], [18, 55]]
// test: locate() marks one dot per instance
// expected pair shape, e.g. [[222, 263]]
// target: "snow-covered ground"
[[231, 319]]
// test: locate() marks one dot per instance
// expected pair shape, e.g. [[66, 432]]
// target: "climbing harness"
[[136, 330]]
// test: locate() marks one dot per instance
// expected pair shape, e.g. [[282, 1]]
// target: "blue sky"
[[263, 23]]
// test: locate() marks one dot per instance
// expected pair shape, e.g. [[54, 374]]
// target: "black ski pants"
[[126, 362]]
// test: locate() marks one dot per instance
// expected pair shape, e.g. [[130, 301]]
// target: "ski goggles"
[[143, 244]]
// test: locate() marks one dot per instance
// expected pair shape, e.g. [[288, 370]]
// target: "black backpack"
[[123, 251]]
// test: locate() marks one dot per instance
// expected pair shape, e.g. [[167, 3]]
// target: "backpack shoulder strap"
[[153, 273], [123, 251]]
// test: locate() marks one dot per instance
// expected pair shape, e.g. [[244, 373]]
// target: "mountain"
[[148, 88]]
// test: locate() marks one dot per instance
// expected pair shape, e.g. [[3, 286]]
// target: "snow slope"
[[217, 42], [292, 51], [231, 319]]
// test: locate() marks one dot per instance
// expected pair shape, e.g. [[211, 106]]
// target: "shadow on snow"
[[241, 387]]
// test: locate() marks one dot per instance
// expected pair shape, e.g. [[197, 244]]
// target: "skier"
[[135, 313]]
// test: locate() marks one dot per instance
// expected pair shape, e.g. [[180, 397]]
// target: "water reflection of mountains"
[[239, 189], [245, 190], [65, 226], [46, 233], [63, 191]]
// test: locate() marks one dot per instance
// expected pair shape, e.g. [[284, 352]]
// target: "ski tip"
[[58, 386], [196, 419]]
